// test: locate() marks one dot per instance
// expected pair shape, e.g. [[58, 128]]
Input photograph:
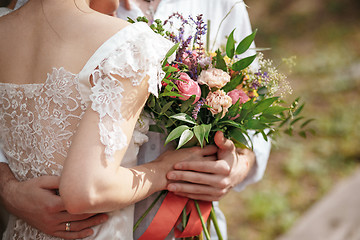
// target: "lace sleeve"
[[134, 60]]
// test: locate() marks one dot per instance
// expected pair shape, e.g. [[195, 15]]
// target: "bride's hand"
[[210, 180], [36, 202], [170, 158]]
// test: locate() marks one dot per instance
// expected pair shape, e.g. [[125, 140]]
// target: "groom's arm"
[[36, 202]]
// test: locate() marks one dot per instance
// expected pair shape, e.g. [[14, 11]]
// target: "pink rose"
[[240, 95], [188, 87], [219, 102], [214, 78]]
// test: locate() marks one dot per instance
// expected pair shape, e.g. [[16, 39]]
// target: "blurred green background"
[[324, 35]]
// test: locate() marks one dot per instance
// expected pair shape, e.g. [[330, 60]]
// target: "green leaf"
[[302, 134], [245, 110], [183, 117], [169, 123], [207, 129], [264, 104], [230, 45], [243, 63], [238, 135], [236, 81], [296, 120], [264, 135], [255, 124], [289, 131], [186, 104], [229, 123], [245, 43], [234, 109], [275, 110], [130, 20], [172, 50], [174, 134], [220, 62], [186, 136], [156, 128], [151, 101], [200, 134], [298, 110], [268, 118], [166, 107], [306, 122], [170, 69], [170, 94]]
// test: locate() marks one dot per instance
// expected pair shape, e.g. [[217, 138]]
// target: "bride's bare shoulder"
[[103, 25]]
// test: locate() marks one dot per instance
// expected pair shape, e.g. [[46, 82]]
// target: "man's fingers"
[[188, 188], [196, 191], [222, 142], [49, 182], [67, 217], [209, 150]]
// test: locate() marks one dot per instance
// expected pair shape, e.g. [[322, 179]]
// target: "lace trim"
[[133, 59]]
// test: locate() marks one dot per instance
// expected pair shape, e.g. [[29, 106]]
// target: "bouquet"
[[204, 92]]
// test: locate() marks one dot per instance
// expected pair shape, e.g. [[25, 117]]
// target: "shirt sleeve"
[[261, 149]]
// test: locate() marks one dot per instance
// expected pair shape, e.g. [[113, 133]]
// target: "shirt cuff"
[[261, 149]]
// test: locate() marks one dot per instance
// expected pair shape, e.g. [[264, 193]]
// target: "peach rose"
[[188, 87], [214, 78], [219, 102]]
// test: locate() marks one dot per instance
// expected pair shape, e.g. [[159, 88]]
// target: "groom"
[[36, 202]]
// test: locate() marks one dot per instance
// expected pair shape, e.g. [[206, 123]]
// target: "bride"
[[73, 83]]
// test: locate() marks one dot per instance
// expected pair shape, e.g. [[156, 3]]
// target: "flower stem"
[[148, 210], [216, 225], [207, 235]]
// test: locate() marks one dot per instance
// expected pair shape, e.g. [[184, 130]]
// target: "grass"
[[325, 39]]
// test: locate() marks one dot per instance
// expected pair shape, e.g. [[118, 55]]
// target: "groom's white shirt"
[[215, 10]]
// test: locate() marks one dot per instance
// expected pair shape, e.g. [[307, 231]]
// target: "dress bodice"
[[38, 121]]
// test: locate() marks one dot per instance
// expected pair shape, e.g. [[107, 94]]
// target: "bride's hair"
[[4, 3]]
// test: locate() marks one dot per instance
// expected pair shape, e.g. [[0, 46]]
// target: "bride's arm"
[[91, 183]]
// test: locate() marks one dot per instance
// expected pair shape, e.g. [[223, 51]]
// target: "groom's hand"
[[211, 180], [35, 201]]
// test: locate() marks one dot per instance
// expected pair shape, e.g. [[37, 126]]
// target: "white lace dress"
[[37, 121]]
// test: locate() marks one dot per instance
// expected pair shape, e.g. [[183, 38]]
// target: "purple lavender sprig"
[[201, 29], [197, 108]]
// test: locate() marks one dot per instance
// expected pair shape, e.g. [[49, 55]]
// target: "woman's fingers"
[[81, 227], [209, 165], [76, 226], [74, 235]]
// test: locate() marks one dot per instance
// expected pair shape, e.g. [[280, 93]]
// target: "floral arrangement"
[[204, 92]]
